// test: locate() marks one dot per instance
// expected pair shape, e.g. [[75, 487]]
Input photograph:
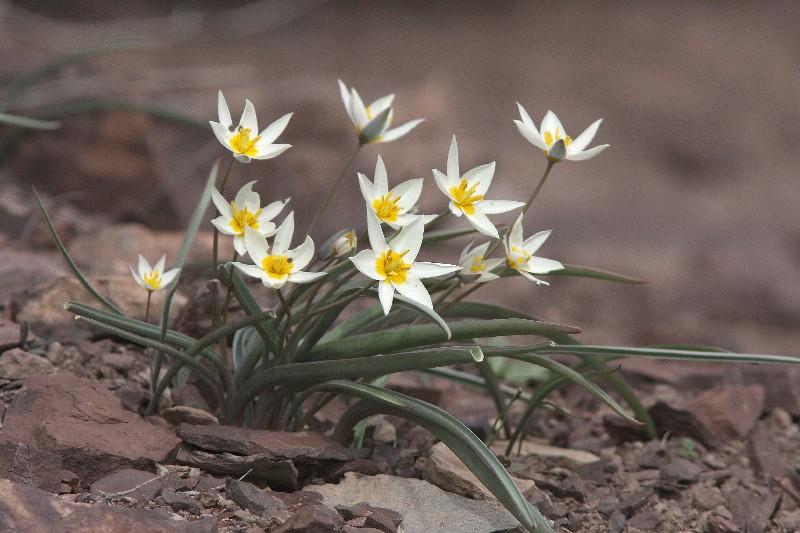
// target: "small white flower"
[[391, 207], [345, 244], [244, 141], [245, 211], [282, 265], [474, 265], [362, 116], [520, 253], [551, 131], [393, 265], [466, 193], [153, 278]]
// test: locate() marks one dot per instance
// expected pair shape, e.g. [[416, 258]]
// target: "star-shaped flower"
[[245, 211], [153, 278], [371, 125], [392, 264], [391, 207], [244, 141], [520, 253], [282, 265], [474, 265], [467, 192], [551, 131]]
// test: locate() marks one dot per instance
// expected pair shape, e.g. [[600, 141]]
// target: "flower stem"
[[229, 285], [285, 328], [147, 306], [332, 190], [538, 188], [215, 247]]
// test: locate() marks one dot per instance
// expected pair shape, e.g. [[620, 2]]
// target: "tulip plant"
[[350, 314]]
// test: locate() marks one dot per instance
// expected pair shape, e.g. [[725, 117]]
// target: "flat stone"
[[312, 519], [180, 414], [27, 464], [566, 456], [379, 518], [260, 503], [26, 508], [445, 470], [9, 335], [681, 471], [280, 474], [706, 498], [85, 425], [181, 502], [19, 364], [424, 507], [118, 484]]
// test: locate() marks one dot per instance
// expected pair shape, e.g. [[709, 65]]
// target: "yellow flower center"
[[551, 137], [391, 266], [242, 219], [242, 143], [478, 265], [517, 258], [277, 266], [152, 280], [386, 207], [464, 197]]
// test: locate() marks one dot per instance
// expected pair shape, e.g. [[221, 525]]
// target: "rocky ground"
[[697, 195]]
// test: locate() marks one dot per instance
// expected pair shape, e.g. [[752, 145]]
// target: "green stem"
[[147, 306], [285, 328], [228, 295], [332, 190], [538, 188]]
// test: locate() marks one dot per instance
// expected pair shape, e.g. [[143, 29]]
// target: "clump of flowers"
[[278, 366]]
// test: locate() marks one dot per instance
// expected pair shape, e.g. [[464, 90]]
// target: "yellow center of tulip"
[[243, 218], [277, 266], [386, 207], [391, 266], [464, 197], [550, 137], [478, 265], [517, 258], [152, 280], [242, 143]]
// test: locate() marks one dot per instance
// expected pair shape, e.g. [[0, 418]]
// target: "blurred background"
[[698, 193]]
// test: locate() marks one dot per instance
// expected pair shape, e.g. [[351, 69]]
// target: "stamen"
[[277, 266], [241, 143], [465, 198], [386, 207]]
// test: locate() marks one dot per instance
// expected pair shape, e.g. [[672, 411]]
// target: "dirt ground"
[[697, 195]]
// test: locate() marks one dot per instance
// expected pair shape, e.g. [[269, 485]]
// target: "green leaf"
[[586, 272], [446, 234], [615, 352], [426, 334], [455, 435], [72, 266], [29, 123]]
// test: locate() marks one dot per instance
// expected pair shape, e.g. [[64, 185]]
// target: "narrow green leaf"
[[615, 352], [426, 334], [446, 234], [586, 272], [29, 123], [75, 270]]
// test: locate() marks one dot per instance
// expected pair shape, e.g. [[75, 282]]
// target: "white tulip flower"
[[551, 131], [474, 265], [520, 253], [363, 116], [391, 207], [153, 278]]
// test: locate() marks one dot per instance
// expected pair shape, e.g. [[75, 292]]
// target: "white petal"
[[223, 112], [365, 262], [272, 131], [414, 290], [409, 238], [345, 94], [481, 175], [409, 192], [515, 235], [381, 179], [241, 157], [551, 123], [223, 225], [533, 242], [168, 276], [482, 223], [246, 197], [422, 270], [379, 106], [160, 264], [221, 203], [272, 282], [526, 119], [357, 108], [485, 277], [540, 265], [376, 239], [268, 151], [221, 133], [283, 237], [582, 141], [532, 278], [239, 245], [303, 254], [587, 154], [531, 135], [251, 270], [256, 245], [305, 277], [367, 189], [385, 295], [136, 276], [493, 207], [396, 133], [443, 182], [452, 161], [143, 266], [272, 210], [249, 119]]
